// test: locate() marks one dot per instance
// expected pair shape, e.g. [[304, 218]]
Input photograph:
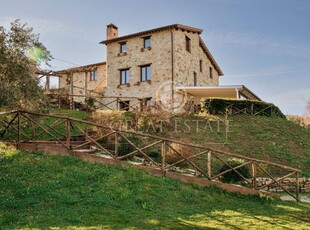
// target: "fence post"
[[116, 144], [209, 165], [163, 157], [297, 186], [33, 131], [254, 175], [19, 128], [68, 133]]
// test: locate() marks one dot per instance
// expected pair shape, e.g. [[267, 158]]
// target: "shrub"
[[7, 150], [232, 176], [89, 104], [154, 154], [300, 120], [172, 156], [235, 106], [125, 148]]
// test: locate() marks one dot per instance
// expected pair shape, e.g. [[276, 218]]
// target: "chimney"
[[112, 31]]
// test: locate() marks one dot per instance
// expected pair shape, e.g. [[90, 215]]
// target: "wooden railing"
[[110, 103], [172, 155]]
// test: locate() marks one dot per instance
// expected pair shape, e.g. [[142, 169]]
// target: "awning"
[[226, 91]]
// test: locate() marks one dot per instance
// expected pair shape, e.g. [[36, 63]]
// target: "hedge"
[[234, 106]]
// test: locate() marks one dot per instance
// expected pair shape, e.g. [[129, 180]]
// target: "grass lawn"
[[267, 138], [41, 191], [30, 129], [71, 113]]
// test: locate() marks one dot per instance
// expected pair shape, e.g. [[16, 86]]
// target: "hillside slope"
[[268, 138], [272, 139], [62, 192]]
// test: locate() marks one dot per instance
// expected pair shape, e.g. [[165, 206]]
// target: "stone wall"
[[288, 183], [160, 58], [80, 78], [163, 56], [186, 63]]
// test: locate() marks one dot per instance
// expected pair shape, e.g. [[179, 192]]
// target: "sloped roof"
[[145, 32], [209, 55], [80, 68]]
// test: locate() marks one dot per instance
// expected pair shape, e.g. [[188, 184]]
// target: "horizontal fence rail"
[[145, 149]]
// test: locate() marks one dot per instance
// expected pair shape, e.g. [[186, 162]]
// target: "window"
[[147, 42], [211, 73], [200, 65], [124, 105], [195, 79], [188, 43], [93, 75], [145, 103], [146, 73], [123, 47], [124, 76]]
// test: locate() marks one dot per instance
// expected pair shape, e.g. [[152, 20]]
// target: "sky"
[[262, 44]]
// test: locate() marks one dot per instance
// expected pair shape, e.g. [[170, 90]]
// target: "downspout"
[[71, 91], [172, 69], [85, 85]]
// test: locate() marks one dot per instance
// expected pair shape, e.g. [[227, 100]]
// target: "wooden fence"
[[194, 160], [106, 103]]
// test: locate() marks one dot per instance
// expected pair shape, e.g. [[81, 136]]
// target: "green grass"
[[273, 139], [71, 113], [29, 129], [40, 191]]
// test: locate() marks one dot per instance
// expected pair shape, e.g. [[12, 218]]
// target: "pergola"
[[226, 91]]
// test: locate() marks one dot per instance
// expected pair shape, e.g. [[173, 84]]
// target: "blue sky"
[[263, 44]]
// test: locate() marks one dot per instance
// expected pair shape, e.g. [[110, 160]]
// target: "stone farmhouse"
[[168, 66]]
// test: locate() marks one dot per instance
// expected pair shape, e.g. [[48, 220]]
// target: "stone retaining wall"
[[288, 183]]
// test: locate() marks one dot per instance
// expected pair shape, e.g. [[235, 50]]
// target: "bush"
[[154, 154], [7, 150], [89, 104], [184, 150], [125, 148], [232, 176], [234, 106]]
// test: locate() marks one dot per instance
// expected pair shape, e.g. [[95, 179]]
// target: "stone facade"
[[172, 61], [188, 63], [158, 56], [81, 83], [171, 65]]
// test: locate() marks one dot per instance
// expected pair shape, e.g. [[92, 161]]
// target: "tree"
[[21, 54]]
